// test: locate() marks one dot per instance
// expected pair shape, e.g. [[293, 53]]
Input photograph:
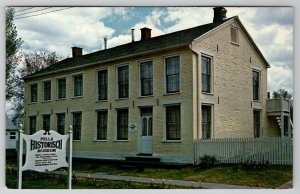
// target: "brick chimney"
[[145, 33], [76, 52], [219, 14]]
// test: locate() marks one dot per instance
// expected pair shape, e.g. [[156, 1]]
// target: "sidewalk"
[[287, 185], [189, 184]]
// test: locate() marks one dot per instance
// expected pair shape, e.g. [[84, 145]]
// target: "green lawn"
[[270, 176]]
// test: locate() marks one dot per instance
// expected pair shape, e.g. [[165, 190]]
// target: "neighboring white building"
[[11, 134]]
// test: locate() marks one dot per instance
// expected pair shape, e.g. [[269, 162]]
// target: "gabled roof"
[[182, 37]]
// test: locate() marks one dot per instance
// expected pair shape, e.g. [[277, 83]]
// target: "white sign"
[[45, 151]]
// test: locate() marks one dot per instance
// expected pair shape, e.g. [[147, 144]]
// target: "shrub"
[[207, 161]]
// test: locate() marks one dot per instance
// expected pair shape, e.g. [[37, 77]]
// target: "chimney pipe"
[[105, 43], [219, 14], [132, 34], [145, 33], [76, 51]]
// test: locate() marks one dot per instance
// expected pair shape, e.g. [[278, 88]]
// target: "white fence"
[[275, 150]]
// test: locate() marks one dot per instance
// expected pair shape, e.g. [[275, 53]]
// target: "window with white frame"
[[146, 78], [206, 111], [206, 74], [78, 85], [77, 122], [102, 84], [47, 90], [123, 81], [46, 122], [61, 123], [256, 84], [122, 124], [33, 92], [61, 86], [172, 68], [256, 123], [234, 35], [102, 125], [173, 122], [32, 125]]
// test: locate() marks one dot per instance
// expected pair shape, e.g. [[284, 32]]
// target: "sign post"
[[45, 151]]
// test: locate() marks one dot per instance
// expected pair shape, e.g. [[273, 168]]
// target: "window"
[[47, 90], [206, 74], [234, 35], [33, 92], [102, 85], [61, 123], [255, 77], [123, 81], [173, 123], [256, 123], [13, 135], [46, 122], [101, 125], [172, 74], [61, 84], [77, 125], [78, 85], [206, 122], [122, 122], [146, 75], [32, 125]]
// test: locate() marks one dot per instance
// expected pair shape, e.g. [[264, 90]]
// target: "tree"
[[33, 62], [282, 93], [13, 43]]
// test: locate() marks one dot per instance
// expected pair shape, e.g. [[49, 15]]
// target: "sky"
[[64, 27]]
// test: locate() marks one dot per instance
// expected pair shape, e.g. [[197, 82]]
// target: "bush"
[[207, 161]]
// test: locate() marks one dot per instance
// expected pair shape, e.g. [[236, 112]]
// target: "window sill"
[[257, 101], [118, 140], [74, 97], [104, 140], [32, 103], [146, 96], [46, 101], [119, 99], [208, 93], [234, 43], [171, 141], [171, 93], [101, 100], [59, 99], [77, 140]]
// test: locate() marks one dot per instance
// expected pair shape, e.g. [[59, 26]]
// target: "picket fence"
[[274, 150]]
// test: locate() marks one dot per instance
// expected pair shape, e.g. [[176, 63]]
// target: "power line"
[[33, 11], [24, 9], [43, 13]]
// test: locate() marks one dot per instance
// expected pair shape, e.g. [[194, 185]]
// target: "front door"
[[146, 134]]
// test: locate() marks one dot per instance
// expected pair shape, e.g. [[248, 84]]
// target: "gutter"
[[182, 45]]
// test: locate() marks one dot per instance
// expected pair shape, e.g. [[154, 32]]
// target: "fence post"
[[70, 157], [20, 158]]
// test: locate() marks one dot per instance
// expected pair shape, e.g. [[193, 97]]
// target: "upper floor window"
[[61, 123], [256, 123], [206, 121], [33, 92], [78, 85], [122, 124], [47, 90], [172, 74], [13, 135], [102, 84], [146, 76], [123, 81], [32, 125], [234, 35], [46, 122], [61, 85], [206, 74], [102, 125], [77, 122], [255, 80], [173, 123]]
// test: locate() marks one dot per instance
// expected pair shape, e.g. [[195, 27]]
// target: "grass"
[[269, 176]]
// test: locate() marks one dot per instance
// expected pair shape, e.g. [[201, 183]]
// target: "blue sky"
[[270, 27]]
